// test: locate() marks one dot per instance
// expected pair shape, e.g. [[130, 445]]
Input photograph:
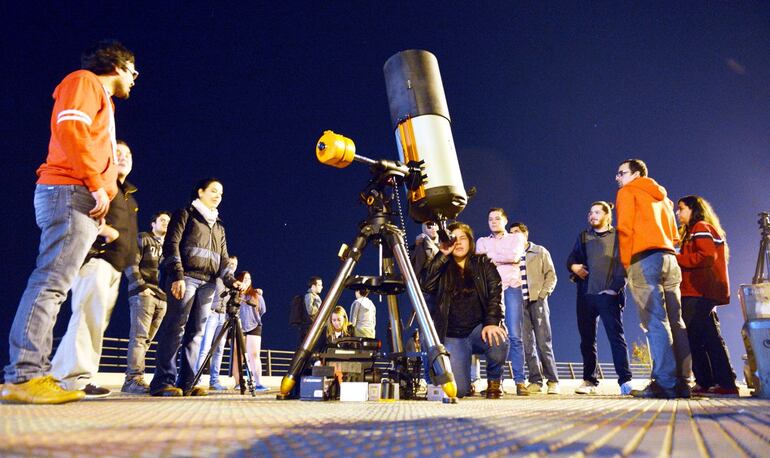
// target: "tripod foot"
[[450, 388], [449, 400], [287, 384]]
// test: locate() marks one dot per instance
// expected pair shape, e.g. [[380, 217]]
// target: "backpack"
[[297, 312]]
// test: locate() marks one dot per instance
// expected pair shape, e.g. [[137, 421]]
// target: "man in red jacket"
[[647, 236], [74, 189]]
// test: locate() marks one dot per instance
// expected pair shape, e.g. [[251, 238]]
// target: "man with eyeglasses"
[[647, 236], [72, 197]]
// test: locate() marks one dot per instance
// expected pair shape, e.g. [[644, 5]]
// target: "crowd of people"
[[486, 296]]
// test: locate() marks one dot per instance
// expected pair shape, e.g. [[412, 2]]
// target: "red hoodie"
[[704, 265], [645, 219]]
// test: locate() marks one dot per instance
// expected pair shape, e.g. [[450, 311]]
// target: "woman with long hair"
[[703, 257], [194, 256], [251, 311], [338, 325]]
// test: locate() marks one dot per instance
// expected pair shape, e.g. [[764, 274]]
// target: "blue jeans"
[[67, 232], [591, 307], [183, 326], [213, 326], [460, 351], [538, 342], [513, 303], [147, 313], [653, 285]]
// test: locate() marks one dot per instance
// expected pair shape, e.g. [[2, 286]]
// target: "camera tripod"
[[232, 327], [762, 272], [378, 228]]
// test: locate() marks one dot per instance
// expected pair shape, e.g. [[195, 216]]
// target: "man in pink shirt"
[[505, 251]]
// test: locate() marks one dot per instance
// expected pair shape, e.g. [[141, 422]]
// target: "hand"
[[579, 270], [177, 289], [258, 291], [446, 248], [109, 233], [102, 204], [493, 334], [241, 286], [147, 293]]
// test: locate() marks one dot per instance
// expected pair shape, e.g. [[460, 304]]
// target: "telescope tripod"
[[762, 271], [378, 228], [232, 327]]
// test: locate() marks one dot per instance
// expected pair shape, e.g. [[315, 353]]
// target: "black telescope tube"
[[414, 87]]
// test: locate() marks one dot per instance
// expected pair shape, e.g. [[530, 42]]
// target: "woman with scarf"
[[195, 255]]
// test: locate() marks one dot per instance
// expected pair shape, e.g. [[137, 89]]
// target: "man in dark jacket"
[[469, 313], [595, 266], [95, 290], [146, 300]]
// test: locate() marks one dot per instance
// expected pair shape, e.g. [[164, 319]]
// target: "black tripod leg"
[[205, 363], [330, 301], [438, 357], [396, 328]]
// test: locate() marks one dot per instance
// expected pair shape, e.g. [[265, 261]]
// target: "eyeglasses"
[[430, 224], [133, 71], [622, 172]]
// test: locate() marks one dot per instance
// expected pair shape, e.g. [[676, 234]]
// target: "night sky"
[[545, 100]]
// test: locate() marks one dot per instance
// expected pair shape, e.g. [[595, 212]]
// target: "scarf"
[[209, 214]]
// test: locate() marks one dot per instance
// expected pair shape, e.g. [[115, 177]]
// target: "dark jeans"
[[460, 351], [591, 307], [710, 359], [182, 327]]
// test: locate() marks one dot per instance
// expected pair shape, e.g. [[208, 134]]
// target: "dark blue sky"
[[545, 100]]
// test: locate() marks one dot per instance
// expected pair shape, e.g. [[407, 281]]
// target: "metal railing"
[[276, 363]]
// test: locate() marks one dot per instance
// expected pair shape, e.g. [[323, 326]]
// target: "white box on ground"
[[354, 391], [436, 393], [375, 391]]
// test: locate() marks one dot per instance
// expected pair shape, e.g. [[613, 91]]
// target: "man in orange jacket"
[[72, 197], [647, 235]]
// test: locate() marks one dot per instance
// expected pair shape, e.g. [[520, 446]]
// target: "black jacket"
[[485, 278], [143, 273], [192, 248], [121, 252]]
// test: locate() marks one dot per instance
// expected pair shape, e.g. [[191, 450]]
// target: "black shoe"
[[654, 391], [166, 391], [682, 389], [94, 392]]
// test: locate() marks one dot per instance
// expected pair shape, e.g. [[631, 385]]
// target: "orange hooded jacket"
[[645, 219]]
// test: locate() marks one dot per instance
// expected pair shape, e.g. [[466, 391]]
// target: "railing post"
[[269, 363]]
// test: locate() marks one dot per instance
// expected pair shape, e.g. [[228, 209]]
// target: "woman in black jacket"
[[469, 313], [195, 254]]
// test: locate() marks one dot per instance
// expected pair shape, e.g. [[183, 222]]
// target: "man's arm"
[[626, 211], [136, 283], [494, 308], [549, 275], [172, 258]]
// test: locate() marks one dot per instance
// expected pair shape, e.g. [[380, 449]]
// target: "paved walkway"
[[233, 425]]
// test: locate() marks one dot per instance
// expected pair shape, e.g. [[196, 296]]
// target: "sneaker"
[[718, 390], [682, 389], [654, 391], [493, 389], [699, 390], [534, 388], [39, 390], [197, 391], [586, 388], [216, 386], [553, 388], [626, 388], [166, 391], [521, 390], [95, 392], [135, 386], [261, 388]]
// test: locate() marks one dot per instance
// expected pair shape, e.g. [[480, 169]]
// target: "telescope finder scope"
[[335, 150]]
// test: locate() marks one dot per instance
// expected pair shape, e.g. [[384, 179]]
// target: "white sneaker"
[[625, 389], [586, 388], [553, 388]]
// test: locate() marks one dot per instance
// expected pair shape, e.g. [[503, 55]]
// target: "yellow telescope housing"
[[335, 150]]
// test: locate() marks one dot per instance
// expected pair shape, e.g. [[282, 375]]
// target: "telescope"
[[429, 169]]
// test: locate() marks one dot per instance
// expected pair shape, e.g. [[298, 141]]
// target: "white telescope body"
[[420, 119]]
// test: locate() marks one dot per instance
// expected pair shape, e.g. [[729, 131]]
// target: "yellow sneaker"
[[39, 390]]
